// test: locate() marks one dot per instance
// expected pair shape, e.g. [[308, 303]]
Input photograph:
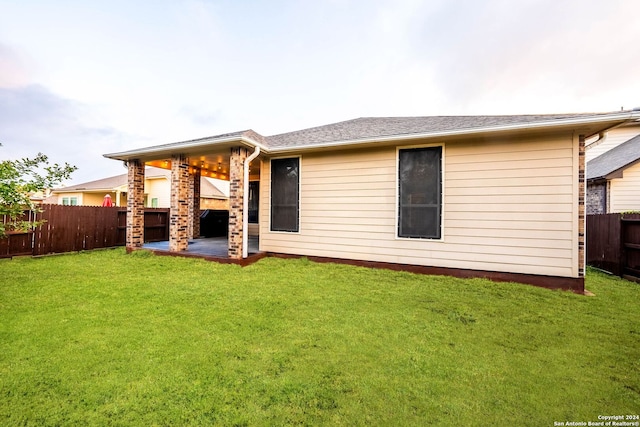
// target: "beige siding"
[[613, 138], [94, 199], [508, 206], [160, 189], [625, 192]]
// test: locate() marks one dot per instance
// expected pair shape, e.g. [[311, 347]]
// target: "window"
[[285, 201], [70, 201], [254, 199], [420, 192], [154, 202]]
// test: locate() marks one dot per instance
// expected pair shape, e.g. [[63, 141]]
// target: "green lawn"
[[105, 338]]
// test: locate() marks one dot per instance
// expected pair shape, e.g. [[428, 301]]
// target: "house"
[[613, 172], [490, 196], [39, 197], [157, 190], [611, 138]]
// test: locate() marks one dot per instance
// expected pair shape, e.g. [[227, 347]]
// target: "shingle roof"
[[99, 184], [239, 134], [373, 127], [370, 129], [113, 181], [207, 188], [617, 158]]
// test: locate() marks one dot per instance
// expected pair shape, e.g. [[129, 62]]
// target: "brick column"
[[135, 204], [179, 221], [194, 204], [581, 206], [236, 197]]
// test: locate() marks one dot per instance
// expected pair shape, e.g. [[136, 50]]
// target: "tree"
[[19, 179]]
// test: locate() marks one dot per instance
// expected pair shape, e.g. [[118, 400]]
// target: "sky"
[[79, 79]]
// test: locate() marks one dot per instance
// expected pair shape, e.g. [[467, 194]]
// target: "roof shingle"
[[374, 127], [379, 128], [617, 158]]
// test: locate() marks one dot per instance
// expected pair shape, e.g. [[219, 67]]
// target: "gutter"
[[245, 203]]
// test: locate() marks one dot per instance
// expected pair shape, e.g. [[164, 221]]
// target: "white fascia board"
[[186, 146]]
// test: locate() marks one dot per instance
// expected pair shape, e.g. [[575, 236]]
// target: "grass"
[[105, 338]]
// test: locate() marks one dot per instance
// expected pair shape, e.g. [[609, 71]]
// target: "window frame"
[[442, 192], [299, 158], [256, 192], [70, 201]]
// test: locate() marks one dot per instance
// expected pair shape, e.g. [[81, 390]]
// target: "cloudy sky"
[[82, 78]]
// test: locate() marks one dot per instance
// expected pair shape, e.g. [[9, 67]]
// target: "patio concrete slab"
[[210, 247]]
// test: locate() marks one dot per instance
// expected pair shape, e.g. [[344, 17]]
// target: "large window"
[[285, 200], [254, 199], [420, 192]]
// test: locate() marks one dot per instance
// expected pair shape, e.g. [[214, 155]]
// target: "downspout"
[[245, 203], [601, 136]]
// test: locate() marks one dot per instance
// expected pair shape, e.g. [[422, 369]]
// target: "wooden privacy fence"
[[613, 243], [76, 228]]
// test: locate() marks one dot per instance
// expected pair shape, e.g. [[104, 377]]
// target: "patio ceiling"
[[214, 165]]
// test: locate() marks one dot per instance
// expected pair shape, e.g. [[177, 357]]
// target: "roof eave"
[[622, 117], [84, 190], [159, 152]]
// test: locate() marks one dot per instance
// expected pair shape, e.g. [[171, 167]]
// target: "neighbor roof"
[[207, 188], [105, 184], [375, 129], [616, 159], [113, 181]]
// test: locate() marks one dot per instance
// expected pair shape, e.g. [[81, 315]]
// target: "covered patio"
[[231, 157]]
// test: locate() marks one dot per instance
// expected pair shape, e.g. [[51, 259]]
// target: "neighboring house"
[[613, 179], [613, 172], [492, 196], [609, 139], [157, 190], [39, 197]]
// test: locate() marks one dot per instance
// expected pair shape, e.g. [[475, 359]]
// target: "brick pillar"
[[135, 204], [581, 206], [236, 197], [179, 221], [194, 204]]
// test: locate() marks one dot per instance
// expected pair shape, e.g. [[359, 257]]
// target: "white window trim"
[[299, 157], [397, 205]]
